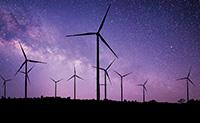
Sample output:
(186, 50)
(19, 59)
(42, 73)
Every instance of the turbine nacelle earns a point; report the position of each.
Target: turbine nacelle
(143, 85)
(187, 78)
(56, 81)
(75, 75)
(122, 76)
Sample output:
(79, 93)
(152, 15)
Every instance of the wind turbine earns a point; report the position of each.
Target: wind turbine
(75, 76)
(25, 64)
(4, 84)
(56, 81)
(188, 79)
(98, 36)
(122, 76)
(144, 89)
(105, 77)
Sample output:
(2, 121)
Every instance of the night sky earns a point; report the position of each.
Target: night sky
(155, 39)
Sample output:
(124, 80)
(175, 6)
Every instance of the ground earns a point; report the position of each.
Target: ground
(104, 108)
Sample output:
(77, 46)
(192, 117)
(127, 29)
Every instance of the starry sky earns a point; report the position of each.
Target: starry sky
(155, 39)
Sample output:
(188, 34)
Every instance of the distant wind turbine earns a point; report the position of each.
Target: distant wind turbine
(105, 77)
(25, 64)
(144, 89)
(4, 84)
(188, 80)
(75, 76)
(56, 81)
(122, 76)
(98, 36)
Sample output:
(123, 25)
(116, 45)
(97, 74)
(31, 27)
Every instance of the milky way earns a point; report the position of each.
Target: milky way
(155, 39)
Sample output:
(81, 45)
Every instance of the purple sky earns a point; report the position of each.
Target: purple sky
(155, 39)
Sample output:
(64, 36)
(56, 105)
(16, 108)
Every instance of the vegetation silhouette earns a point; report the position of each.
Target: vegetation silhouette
(49, 105)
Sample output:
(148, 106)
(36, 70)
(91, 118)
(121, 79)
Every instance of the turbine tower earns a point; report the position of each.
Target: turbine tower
(144, 89)
(98, 37)
(56, 81)
(121, 77)
(4, 85)
(188, 80)
(75, 76)
(25, 64)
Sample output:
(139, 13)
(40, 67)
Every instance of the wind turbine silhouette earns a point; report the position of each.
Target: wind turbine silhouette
(56, 81)
(122, 76)
(105, 77)
(25, 64)
(144, 89)
(75, 76)
(98, 36)
(4, 84)
(188, 79)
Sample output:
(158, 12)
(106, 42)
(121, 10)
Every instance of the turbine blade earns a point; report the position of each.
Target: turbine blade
(30, 69)
(99, 68)
(127, 74)
(74, 70)
(70, 78)
(145, 88)
(34, 61)
(110, 64)
(104, 18)
(181, 78)
(28, 80)
(22, 50)
(82, 34)
(108, 45)
(59, 80)
(191, 81)
(53, 80)
(189, 71)
(145, 82)
(139, 84)
(8, 80)
(79, 77)
(22, 72)
(108, 77)
(2, 77)
(4, 83)
(118, 73)
(20, 67)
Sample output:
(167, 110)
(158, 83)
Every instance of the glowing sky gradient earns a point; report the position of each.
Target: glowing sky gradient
(155, 39)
